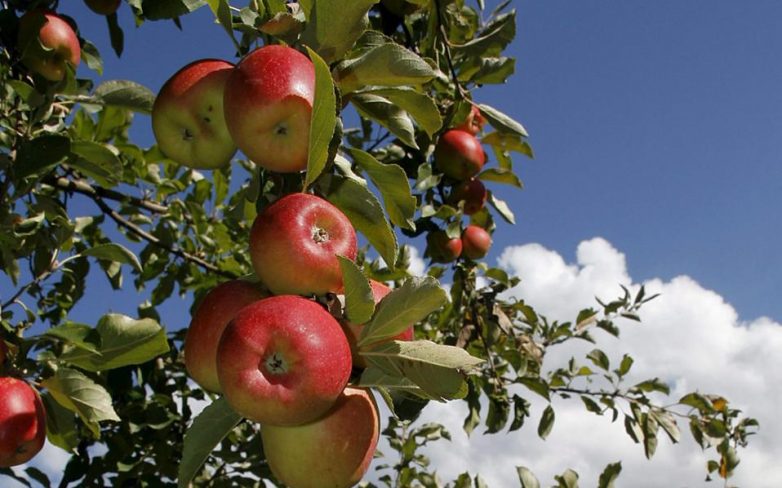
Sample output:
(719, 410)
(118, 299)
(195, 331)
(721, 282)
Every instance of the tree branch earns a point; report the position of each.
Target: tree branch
(81, 186)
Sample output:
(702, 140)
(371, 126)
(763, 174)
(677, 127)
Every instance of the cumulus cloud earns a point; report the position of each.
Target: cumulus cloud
(690, 337)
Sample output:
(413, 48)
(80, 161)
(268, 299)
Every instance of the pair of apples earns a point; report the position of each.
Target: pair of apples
(474, 243)
(283, 360)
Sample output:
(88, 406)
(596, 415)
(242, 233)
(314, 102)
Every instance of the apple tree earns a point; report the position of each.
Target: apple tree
(393, 135)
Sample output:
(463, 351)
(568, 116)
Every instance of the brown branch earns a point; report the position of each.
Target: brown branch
(447, 44)
(81, 186)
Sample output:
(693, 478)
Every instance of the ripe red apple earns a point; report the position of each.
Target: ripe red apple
(294, 243)
(474, 121)
(476, 242)
(22, 422)
(332, 452)
(57, 48)
(459, 154)
(353, 331)
(268, 107)
(211, 317)
(103, 7)
(472, 192)
(187, 117)
(283, 360)
(441, 248)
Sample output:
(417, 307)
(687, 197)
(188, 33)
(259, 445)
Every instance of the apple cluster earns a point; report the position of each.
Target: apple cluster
(22, 418)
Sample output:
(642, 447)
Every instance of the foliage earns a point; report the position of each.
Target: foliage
(78, 197)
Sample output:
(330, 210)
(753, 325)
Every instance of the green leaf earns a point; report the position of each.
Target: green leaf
(568, 479)
(91, 57)
(206, 432)
(60, 425)
(406, 305)
(97, 160)
(39, 154)
(114, 252)
(222, 11)
(388, 64)
(115, 34)
(437, 369)
(599, 359)
(121, 341)
(333, 26)
(527, 479)
(125, 94)
(80, 394)
(387, 114)
(78, 335)
(169, 9)
(394, 186)
(323, 121)
(609, 475)
(502, 208)
(499, 175)
(546, 422)
(377, 378)
(502, 122)
(364, 211)
(418, 105)
(359, 300)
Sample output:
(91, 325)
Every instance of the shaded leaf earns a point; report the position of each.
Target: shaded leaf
(323, 120)
(80, 394)
(387, 64)
(334, 26)
(359, 301)
(125, 94)
(394, 187)
(114, 252)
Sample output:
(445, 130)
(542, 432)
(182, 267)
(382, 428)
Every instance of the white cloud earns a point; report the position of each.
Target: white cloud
(690, 337)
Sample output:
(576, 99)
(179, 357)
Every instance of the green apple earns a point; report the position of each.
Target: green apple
(334, 451)
(22, 422)
(476, 242)
(187, 117)
(283, 360)
(48, 44)
(268, 107)
(459, 154)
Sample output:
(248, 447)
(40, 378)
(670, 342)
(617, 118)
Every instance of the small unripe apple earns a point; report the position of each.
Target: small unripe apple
(472, 192)
(474, 121)
(211, 317)
(476, 242)
(103, 7)
(187, 117)
(294, 243)
(268, 107)
(441, 248)
(60, 44)
(459, 154)
(283, 360)
(334, 451)
(353, 331)
(22, 422)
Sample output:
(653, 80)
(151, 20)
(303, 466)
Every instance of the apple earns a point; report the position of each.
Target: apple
(476, 242)
(58, 46)
(474, 121)
(283, 360)
(211, 317)
(459, 154)
(472, 192)
(187, 117)
(268, 107)
(103, 7)
(332, 452)
(441, 248)
(22, 422)
(294, 243)
(353, 331)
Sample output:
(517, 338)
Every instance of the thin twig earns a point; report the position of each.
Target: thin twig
(81, 186)
(446, 43)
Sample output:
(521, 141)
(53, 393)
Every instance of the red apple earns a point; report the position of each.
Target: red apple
(353, 331)
(22, 422)
(187, 117)
(268, 107)
(441, 248)
(332, 452)
(211, 317)
(472, 192)
(58, 46)
(459, 154)
(476, 242)
(283, 360)
(474, 121)
(103, 7)
(294, 244)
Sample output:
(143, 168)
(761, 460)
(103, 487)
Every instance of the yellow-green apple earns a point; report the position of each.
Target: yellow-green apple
(474, 121)
(294, 243)
(22, 422)
(353, 331)
(283, 360)
(332, 452)
(188, 119)
(48, 44)
(268, 107)
(476, 242)
(211, 317)
(459, 154)
(103, 7)
(472, 192)
(441, 248)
